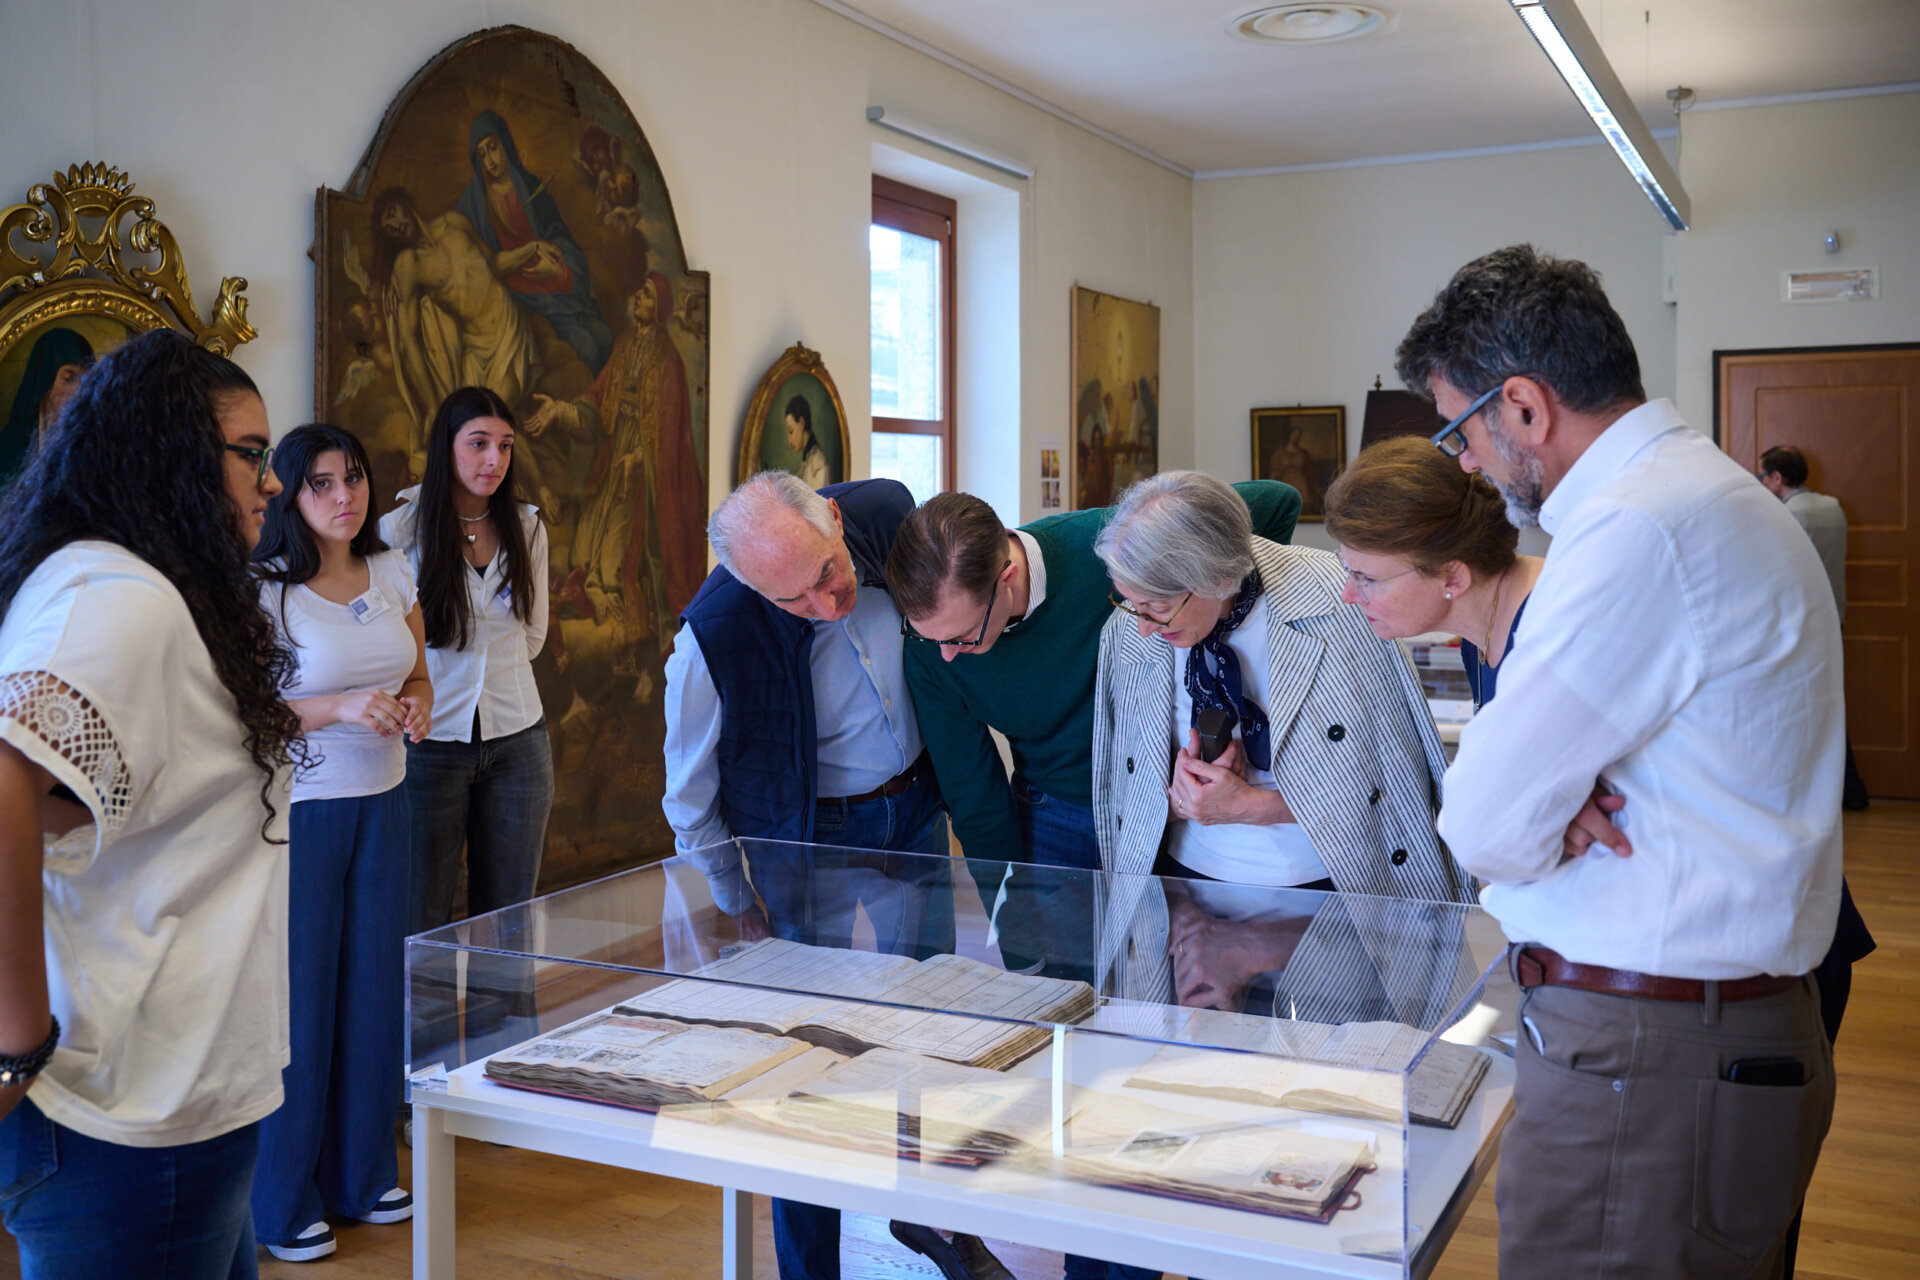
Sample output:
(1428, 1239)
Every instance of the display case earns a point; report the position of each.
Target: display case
(1203, 1078)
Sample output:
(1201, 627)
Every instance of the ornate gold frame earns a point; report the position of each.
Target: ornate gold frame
(89, 272)
(798, 358)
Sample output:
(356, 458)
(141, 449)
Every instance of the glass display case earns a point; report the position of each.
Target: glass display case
(1204, 1078)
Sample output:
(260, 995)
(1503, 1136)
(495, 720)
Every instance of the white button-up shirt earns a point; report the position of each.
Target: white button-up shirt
(1681, 645)
(494, 672)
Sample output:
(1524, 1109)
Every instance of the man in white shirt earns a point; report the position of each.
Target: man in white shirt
(1682, 649)
(1783, 469)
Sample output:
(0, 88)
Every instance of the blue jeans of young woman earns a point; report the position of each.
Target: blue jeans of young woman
(910, 903)
(490, 798)
(329, 1149)
(1050, 918)
(82, 1209)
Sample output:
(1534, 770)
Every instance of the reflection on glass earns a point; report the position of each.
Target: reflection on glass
(906, 324)
(912, 460)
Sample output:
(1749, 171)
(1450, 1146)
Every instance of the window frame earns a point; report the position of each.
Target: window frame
(931, 216)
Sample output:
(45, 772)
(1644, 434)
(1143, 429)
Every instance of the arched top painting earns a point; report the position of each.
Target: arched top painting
(510, 227)
(795, 422)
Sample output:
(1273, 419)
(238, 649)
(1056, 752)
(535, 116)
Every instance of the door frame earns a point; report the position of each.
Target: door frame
(1843, 349)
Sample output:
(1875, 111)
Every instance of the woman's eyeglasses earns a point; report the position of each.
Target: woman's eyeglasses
(1134, 611)
(254, 453)
(1364, 586)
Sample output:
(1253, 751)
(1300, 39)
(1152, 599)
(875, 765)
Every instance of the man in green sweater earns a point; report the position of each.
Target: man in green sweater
(1005, 634)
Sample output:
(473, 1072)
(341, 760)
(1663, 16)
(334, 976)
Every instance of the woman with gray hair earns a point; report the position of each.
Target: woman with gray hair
(1322, 768)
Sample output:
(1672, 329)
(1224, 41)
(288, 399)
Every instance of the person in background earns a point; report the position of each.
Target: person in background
(482, 779)
(347, 608)
(143, 895)
(788, 719)
(1674, 1081)
(1783, 469)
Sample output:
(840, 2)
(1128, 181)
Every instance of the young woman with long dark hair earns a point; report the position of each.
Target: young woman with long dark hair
(348, 608)
(483, 778)
(143, 903)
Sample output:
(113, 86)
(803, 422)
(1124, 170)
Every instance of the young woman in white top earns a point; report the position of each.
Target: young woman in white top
(347, 607)
(483, 778)
(143, 900)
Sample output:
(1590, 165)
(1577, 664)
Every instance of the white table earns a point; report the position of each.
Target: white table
(997, 1200)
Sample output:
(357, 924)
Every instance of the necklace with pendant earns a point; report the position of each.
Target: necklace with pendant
(471, 537)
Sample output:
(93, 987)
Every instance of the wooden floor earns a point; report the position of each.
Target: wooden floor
(531, 1217)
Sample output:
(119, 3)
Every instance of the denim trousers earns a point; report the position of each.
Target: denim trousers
(82, 1209)
(1047, 920)
(910, 904)
(329, 1148)
(490, 798)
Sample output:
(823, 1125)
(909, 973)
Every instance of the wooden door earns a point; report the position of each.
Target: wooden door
(1855, 413)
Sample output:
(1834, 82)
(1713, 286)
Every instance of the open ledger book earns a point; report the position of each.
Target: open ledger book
(1268, 1168)
(1335, 1078)
(1005, 1005)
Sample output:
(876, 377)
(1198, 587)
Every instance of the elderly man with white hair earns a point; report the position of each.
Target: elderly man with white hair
(788, 718)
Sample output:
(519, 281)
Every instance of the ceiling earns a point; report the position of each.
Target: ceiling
(1447, 75)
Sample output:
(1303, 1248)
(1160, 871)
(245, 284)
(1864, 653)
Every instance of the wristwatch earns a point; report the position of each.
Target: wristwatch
(28, 1065)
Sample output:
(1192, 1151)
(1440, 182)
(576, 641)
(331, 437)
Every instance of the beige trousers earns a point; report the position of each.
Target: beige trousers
(1630, 1154)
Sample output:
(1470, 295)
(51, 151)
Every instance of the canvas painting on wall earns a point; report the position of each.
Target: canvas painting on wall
(509, 226)
(1116, 389)
(1303, 447)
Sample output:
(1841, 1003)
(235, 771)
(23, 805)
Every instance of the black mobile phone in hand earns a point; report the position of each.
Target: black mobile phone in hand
(1215, 727)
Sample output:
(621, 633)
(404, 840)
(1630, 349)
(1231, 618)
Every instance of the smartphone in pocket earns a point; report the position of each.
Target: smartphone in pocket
(1775, 1072)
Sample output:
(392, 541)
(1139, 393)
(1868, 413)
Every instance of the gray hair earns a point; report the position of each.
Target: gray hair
(740, 523)
(1176, 532)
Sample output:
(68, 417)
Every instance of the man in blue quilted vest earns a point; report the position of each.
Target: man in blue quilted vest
(788, 718)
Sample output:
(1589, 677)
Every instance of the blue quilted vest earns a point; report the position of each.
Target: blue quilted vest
(760, 658)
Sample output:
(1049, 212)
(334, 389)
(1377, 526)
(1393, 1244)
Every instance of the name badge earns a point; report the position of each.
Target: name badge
(369, 606)
(505, 594)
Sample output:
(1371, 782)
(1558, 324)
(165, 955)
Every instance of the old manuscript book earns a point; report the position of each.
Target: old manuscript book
(987, 1016)
(1335, 1078)
(646, 1062)
(1122, 1142)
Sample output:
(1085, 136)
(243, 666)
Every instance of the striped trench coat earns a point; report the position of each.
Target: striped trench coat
(1355, 751)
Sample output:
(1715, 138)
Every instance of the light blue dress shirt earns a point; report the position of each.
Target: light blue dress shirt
(863, 714)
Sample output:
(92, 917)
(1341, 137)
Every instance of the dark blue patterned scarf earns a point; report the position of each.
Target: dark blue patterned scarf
(1216, 683)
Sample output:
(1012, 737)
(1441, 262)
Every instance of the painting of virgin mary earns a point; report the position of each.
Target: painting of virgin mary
(534, 254)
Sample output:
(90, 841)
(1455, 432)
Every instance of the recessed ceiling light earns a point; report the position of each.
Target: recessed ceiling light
(1309, 23)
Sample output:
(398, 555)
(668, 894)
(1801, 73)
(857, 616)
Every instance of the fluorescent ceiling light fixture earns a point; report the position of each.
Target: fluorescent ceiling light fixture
(1576, 55)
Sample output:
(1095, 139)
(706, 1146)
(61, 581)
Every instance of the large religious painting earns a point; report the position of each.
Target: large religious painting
(509, 227)
(1116, 391)
(84, 265)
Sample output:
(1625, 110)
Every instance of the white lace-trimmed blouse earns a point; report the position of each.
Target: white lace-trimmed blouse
(166, 916)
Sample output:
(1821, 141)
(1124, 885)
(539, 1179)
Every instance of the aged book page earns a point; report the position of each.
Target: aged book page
(642, 1061)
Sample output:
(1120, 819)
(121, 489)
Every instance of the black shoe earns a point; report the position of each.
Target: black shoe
(963, 1257)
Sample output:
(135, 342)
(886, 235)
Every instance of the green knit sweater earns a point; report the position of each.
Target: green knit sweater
(1036, 684)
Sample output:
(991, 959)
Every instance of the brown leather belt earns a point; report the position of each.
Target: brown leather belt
(1540, 967)
(891, 787)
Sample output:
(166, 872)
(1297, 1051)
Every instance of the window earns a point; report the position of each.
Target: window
(910, 252)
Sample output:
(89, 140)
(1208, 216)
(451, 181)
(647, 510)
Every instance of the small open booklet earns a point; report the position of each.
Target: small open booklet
(1358, 1069)
(767, 986)
(646, 1062)
(1268, 1168)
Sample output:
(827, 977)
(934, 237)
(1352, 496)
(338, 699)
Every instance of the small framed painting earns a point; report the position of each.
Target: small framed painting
(1305, 447)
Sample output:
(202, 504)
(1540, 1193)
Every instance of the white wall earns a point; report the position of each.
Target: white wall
(1305, 282)
(229, 113)
(1767, 184)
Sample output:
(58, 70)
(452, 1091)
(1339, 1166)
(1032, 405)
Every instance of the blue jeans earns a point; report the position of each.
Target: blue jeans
(1048, 919)
(329, 1149)
(911, 909)
(490, 798)
(82, 1209)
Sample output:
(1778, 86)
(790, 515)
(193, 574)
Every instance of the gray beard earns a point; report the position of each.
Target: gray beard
(1526, 480)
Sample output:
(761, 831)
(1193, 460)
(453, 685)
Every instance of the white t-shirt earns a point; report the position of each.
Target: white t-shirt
(1280, 855)
(494, 673)
(166, 918)
(347, 648)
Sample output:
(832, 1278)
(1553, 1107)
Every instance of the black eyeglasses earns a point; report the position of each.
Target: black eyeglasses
(1450, 439)
(906, 628)
(254, 453)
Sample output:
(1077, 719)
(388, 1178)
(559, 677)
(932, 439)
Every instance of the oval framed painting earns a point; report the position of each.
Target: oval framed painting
(796, 422)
